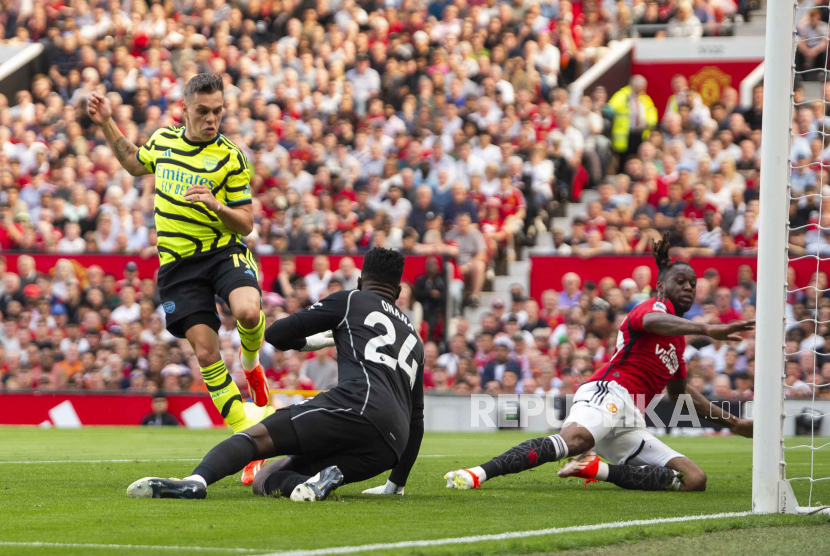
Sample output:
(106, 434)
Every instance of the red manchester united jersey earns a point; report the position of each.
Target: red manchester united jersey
(644, 361)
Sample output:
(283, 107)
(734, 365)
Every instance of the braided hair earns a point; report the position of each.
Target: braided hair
(660, 250)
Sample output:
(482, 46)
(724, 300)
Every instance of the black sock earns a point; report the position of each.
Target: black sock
(530, 453)
(227, 457)
(282, 483)
(644, 477)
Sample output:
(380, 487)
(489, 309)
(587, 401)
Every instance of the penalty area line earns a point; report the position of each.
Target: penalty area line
(127, 547)
(384, 546)
(504, 536)
(39, 462)
(140, 460)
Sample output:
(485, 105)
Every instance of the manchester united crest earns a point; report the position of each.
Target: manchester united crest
(709, 82)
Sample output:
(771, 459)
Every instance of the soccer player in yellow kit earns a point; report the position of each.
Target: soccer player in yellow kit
(202, 210)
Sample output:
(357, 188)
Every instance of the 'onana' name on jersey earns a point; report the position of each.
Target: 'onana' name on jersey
(392, 310)
(176, 180)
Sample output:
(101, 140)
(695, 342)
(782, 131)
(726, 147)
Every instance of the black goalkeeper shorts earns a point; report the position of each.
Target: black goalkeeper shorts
(188, 287)
(317, 437)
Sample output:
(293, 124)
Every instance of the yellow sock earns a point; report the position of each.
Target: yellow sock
(225, 396)
(251, 340)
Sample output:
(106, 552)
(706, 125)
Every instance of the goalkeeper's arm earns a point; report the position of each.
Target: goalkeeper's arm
(707, 410)
(302, 330)
(397, 479)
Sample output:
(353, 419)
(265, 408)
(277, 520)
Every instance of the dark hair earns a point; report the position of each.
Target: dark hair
(660, 250)
(204, 83)
(383, 265)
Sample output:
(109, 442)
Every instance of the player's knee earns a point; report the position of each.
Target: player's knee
(578, 439)
(247, 315)
(206, 353)
(579, 445)
(282, 464)
(258, 486)
(694, 481)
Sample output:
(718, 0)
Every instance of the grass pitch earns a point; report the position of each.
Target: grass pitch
(72, 492)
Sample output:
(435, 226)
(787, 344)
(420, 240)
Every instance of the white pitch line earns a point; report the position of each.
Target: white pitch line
(38, 462)
(387, 546)
(24, 462)
(127, 546)
(502, 536)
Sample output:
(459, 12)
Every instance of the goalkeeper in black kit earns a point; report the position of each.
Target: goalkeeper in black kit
(372, 421)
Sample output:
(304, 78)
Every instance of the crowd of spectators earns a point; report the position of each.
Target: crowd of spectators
(366, 125)
(63, 332)
(438, 128)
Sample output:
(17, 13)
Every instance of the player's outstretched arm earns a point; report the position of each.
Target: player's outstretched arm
(100, 112)
(292, 332)
(705, 409)
(671, 325)
(399, 475)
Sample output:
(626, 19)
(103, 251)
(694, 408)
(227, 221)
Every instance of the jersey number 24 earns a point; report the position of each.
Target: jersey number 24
(372, 346)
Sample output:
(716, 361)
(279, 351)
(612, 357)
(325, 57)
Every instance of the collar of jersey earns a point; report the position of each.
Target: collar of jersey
(199, 143)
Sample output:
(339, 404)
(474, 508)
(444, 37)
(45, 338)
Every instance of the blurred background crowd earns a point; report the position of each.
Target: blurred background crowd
(438, 128)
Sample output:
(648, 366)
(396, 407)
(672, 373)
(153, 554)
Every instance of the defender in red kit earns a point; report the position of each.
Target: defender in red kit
(606, 417)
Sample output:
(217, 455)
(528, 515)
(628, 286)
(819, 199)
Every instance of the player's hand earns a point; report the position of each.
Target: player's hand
(743, 427)
(98, 107)
(731, 332)
(388, 488)
(320, 340)
(202, 194)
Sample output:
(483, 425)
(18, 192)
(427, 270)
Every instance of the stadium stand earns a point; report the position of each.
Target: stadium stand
(442, 129)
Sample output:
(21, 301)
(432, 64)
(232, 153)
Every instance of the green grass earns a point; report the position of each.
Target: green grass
(77, 502)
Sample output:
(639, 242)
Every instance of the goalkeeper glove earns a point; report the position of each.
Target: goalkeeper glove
(320, 340)
(388, 488)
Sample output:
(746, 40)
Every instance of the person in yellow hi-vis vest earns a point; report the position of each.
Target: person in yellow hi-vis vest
(634, 116)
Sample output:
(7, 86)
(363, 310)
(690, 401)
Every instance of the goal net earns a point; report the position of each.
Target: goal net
(791, 448)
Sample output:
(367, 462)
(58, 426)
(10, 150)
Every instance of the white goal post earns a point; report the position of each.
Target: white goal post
(768, 406)
(771, 491)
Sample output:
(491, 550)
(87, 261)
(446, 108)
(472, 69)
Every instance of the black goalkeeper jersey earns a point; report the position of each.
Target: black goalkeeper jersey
(380, 362)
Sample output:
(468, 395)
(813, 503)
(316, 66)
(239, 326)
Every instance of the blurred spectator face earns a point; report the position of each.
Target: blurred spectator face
(697, 382)
(642, 277)
(463, 220)
(485, 342)
(550, 301)
(430, 354)
(502, 354)
(722, 387)
(321, 265)
(509, 381)
(440, 379)
(571, 282)
(347, 266)
(723, 299)
(25, 265)
(424, 196)
(458, 344)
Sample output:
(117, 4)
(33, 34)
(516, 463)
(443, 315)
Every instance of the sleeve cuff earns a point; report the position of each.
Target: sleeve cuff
(239, 203)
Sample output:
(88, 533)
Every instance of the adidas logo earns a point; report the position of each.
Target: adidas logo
(168, 153)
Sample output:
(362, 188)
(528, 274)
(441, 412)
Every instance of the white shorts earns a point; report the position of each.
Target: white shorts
(608, 411)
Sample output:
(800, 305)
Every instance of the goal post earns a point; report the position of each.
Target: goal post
(768, 406)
